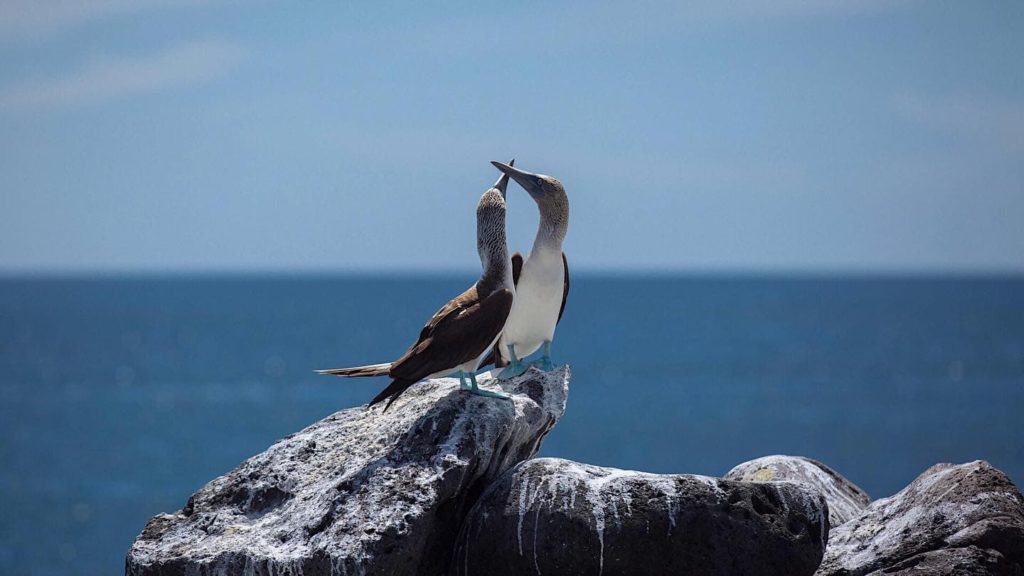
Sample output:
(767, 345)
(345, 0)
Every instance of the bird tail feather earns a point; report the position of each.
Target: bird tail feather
(360, 371)
(392, 392)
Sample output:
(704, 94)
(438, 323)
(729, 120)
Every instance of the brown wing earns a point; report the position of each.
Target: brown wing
(407, 375)
(454, 305)
(458, 336)
(385, 369)
(565, 288)
(517, 267)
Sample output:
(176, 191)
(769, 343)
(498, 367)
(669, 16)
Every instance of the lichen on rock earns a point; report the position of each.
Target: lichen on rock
(845, 499)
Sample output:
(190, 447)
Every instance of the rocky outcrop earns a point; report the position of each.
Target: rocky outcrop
(845, 499)
(966, 519)
(360, 492)
(442, 484)
(552, 516)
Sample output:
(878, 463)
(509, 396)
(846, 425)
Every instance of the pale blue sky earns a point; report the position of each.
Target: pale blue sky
(149, 135)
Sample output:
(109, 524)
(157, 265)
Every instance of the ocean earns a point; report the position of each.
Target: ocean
(121, 397)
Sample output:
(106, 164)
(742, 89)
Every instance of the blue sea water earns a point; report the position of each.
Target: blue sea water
(120, 397)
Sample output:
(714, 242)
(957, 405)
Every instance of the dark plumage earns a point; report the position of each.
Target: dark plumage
(458, 333)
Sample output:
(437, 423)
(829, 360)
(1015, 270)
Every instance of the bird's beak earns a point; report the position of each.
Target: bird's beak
(502, 182)
(530, 182)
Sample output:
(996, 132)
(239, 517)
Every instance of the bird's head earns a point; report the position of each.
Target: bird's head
(540, 187)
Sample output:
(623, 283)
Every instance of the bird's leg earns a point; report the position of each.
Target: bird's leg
(545, 360)
(476, 389)
(463, 384)
(515, 367)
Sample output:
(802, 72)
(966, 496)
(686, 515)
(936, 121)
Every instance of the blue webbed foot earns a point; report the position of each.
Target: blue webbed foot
(515, 366)
(463, 382)
(476, 389)
(514, 369)
(544, 363)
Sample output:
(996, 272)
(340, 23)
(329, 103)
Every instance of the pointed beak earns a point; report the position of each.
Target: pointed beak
(502, 182)
(530, 182)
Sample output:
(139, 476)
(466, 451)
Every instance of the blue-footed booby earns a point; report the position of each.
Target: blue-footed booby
(463, 332)
(541, 280)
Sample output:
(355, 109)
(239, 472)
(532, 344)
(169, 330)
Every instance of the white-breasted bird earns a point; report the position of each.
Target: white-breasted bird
(541, 279)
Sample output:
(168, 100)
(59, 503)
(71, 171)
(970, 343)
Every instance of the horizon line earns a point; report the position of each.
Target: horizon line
(695, 272)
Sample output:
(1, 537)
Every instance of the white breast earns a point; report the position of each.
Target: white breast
(538, 300)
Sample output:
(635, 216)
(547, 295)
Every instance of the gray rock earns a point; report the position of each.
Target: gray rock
(965, 519)
(552, 516)
(360, 492)
(971, 561)
(845, 499)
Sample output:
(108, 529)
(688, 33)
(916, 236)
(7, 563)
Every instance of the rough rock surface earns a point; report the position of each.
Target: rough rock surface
(845, 499)
(965, 519)
(360, 492)
(552, 516)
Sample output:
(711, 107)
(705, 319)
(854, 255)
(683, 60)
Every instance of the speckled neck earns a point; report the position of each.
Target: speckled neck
(554, 223)
(491, 243)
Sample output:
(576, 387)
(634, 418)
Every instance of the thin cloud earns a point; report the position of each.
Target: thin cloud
(976, 115)
(114, 78)
(35, 18)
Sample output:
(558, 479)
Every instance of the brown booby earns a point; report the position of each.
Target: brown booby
(541, 280)
(464, 331)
